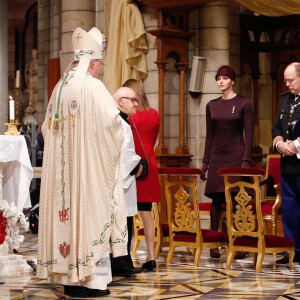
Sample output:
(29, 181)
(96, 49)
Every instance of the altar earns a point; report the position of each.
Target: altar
(15, 171)
(16, 174)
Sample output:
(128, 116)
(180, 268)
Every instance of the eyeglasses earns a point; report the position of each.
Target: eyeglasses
(290, 81)
(100, 62)
(133, 99)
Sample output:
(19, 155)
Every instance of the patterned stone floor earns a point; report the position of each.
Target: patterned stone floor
(180, 280)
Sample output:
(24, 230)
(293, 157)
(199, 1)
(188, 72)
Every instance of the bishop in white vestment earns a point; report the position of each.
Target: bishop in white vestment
(82, 200)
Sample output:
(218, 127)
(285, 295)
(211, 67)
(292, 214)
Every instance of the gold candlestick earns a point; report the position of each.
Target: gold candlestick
(12, 128)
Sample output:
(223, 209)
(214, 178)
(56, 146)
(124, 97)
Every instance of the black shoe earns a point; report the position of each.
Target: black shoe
(285, 260)
(241, 255)
(149, 265)
(83, 292)
(214, 253)
(126, 272)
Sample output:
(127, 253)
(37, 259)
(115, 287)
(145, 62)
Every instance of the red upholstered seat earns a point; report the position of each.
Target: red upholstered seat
(241, 171)
(179, 170)
(203, 206)
(209, 236)
(266, 208)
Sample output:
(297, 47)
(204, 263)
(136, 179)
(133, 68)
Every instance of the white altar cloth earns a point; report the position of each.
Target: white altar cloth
(17, 170)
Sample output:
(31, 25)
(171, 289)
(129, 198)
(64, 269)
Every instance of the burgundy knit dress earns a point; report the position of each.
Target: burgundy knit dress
(229, 138)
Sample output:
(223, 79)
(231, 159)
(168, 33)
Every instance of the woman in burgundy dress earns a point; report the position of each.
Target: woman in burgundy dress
(145, 128)
(229, 140)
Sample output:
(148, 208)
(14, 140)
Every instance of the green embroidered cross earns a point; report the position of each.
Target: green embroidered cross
(56, 115)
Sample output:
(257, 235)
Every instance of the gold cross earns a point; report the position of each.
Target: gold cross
(78, 37)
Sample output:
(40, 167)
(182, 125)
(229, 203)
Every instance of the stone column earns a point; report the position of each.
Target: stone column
(234, 40)
(3, 65)
(210, 23)
(213, 44)
(74, 14)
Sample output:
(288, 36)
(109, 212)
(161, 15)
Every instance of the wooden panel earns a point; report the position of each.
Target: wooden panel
(53, 74)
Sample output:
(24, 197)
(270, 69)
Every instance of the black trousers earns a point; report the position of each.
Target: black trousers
(124, 261)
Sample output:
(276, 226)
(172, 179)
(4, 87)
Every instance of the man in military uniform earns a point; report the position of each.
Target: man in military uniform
(289, 146)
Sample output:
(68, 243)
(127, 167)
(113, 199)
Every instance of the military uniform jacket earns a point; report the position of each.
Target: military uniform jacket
(285, 116)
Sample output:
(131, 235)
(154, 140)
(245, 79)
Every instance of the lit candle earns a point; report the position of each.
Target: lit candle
(17, 79)
(11, 109)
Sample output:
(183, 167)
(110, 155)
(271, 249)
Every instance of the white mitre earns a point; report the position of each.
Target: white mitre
(87, 46)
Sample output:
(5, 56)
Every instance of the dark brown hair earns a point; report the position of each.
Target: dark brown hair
(138, 87)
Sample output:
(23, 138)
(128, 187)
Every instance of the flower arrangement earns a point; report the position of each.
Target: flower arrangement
(13, 220)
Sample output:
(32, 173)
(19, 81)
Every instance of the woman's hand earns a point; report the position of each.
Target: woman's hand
(203, 171)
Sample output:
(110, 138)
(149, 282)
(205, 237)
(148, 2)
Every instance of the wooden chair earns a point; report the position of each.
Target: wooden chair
(271, 201)
(244, 217)
(185, 172)
(184, 222)
(161, 232)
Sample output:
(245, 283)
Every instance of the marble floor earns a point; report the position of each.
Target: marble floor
(180, 280)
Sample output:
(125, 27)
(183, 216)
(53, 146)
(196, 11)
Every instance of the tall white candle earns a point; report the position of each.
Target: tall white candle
(11, 109)
(17, 78)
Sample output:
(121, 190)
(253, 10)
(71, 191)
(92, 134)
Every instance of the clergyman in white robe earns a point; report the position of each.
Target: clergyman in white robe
(131, 168)
(82, 199)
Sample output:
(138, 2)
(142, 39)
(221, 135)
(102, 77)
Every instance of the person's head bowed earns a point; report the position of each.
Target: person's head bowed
(292, 77)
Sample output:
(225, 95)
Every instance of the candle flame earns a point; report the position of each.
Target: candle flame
(10, 97)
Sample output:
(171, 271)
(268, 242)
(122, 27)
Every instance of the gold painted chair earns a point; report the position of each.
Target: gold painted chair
(244, 217)
(161, 232)
(271, 201)
(183, 220)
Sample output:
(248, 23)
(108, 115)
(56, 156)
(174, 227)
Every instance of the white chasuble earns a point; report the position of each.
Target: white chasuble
(82, 200)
